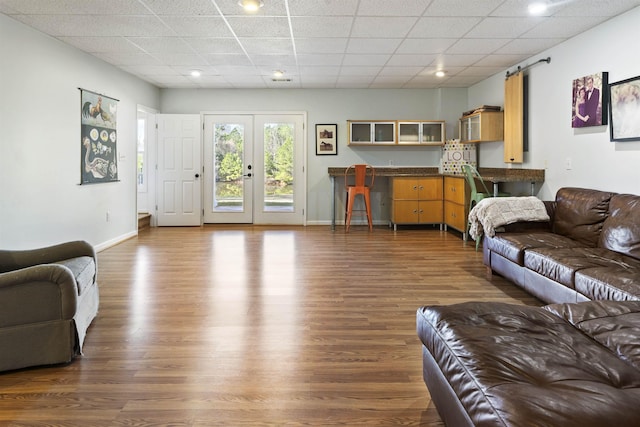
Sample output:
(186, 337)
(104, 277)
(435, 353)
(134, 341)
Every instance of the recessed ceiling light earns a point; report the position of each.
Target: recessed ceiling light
(251, 5)
(440, 73)
(538, 8)
(196, 73)
(278, 73)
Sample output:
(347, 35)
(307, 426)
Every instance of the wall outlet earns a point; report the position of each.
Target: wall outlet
(568, 164)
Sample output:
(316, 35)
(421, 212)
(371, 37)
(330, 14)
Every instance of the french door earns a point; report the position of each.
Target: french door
(254, 169)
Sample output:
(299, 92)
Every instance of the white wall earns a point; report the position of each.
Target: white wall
(596, 161)
(337, 106)
(41, 202)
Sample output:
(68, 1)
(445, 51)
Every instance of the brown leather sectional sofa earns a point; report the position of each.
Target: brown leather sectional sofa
(575, 362)
(590, 249)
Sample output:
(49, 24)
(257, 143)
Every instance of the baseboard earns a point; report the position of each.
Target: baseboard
(109, 243)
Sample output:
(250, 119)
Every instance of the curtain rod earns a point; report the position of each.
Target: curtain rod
(547, 60)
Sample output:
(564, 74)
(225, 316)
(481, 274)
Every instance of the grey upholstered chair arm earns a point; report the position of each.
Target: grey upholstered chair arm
(19, 289)
(14, 260)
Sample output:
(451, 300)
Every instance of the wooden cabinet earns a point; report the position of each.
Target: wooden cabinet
(371, 132)
(421, 132)
(416, 200)
(456, 203)
(514, 131)
(482, 127)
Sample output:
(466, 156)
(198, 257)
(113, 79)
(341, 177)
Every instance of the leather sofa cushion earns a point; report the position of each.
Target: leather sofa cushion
(619, 283)
(513, 245)
(561, 264)
(580, 214)
(516, 365)
(612, 324)
(621, 230)
(83, 269)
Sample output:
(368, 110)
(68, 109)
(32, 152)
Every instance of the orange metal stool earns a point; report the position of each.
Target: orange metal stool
(362, 172)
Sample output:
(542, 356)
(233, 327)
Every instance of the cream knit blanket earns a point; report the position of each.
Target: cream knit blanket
(495, 212)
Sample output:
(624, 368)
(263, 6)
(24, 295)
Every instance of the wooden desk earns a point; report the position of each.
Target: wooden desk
(493, 175)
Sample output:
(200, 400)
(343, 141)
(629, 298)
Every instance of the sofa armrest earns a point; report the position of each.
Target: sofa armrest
(16, 259)
(37, 294)
(527, 226)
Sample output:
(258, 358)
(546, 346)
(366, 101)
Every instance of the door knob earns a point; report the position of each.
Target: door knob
(197, 175)
(248, 175)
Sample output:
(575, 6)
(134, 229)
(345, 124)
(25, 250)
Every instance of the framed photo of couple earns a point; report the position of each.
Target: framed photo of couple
(590, 100)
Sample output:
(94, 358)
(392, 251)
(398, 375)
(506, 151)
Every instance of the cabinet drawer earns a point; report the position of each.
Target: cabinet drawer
(455, 215)
(454, 190)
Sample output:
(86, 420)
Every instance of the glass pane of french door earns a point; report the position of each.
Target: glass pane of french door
(228, 147)
(278, 167)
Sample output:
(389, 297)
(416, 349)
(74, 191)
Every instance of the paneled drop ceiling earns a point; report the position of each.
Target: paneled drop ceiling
(315, 43)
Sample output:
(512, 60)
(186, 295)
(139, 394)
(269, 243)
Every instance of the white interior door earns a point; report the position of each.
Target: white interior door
(179, 170)
(228, 167)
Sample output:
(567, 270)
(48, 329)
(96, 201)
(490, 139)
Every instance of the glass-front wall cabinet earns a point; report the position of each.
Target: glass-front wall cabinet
(421, 133)
(409, 132)
(372, 132)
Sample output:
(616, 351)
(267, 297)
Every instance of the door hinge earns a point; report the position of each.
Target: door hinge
(156, 208)
(156, 126)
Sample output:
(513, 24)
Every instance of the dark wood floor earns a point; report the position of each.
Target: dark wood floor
(257, 326)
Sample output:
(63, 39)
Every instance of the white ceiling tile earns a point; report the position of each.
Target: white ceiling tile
(359, 71)
(267, 26)
(227, 59)
(400, 71)
(395, 27)
(353, 82)
(422, 46)
(476, 46)
(503, 61)
(174, 58)
(462, 7)
(443, 27)
(502, 27)
(198, 26)
(410, 60)
(400, 7)
(274, 60)
(321, 45)
(232, 8)
(323, 8)
(449, 60)
(181, 7)
(77, 7)
(350, 60)
(373, 45)
(236, 70)
(528, 46)
(480, 71)
(270, 46)
(127, 58)
(160, 44)
(321, 59)
(320, 70)
(307, 26)
(95, 25)
(214, 45)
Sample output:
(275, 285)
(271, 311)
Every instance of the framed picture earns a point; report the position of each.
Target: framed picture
(327, 139)
(589, 106)
(625, 110)
(99, 138)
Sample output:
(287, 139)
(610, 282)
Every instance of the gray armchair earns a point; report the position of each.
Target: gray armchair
(48, 298)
